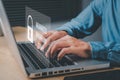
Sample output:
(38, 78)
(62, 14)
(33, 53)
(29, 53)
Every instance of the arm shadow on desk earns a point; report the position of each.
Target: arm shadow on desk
(109, 75)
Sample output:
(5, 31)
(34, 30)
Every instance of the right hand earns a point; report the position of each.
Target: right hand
(50, 37)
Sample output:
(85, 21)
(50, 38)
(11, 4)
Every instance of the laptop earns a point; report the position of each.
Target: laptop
(1, 33)
(33, 62)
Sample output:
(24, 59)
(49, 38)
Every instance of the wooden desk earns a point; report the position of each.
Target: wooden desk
(9, 69)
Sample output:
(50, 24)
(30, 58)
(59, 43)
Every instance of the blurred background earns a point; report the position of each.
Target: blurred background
(60, 12)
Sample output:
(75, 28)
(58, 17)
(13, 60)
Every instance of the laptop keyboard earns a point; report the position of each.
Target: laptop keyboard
(37, 59)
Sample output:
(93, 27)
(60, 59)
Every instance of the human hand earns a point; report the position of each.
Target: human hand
(69, 45)
(48, 38)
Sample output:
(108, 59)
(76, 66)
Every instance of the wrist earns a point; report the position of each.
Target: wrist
(88, 50)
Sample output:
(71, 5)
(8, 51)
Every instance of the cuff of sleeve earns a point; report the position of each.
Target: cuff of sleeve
(98, 50)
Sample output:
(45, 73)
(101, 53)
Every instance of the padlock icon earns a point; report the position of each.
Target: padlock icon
(30, 28)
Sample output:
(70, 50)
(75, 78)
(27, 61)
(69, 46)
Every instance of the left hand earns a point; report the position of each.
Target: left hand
(69, 45)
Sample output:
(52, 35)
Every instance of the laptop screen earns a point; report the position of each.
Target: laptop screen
(8, 34)
(1, 33)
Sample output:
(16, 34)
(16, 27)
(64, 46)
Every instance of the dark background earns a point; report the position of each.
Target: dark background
(58, 10)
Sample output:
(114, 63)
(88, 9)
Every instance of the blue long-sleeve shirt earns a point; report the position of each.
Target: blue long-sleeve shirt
(99, 12)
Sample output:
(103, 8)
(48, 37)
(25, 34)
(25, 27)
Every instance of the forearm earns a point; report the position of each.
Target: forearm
(108, 51)
(84, 24)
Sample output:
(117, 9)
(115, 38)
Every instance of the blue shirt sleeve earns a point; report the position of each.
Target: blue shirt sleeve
(86, 22)
(108, 51)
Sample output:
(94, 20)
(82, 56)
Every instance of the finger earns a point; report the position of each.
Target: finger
(51, 38)
(47, 54)
(63, 52)
(47, 34)
(49, 50)
(39, 40)
(38, 43)
(58, 45)
(46, 43)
